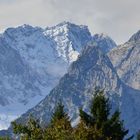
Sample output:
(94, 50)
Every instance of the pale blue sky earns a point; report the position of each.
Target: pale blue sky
(117, 18)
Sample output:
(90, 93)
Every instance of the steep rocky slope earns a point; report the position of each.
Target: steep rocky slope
(126, 60)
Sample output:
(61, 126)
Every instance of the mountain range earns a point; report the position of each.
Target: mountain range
(32, 60)
(93, 69)
(39, 67)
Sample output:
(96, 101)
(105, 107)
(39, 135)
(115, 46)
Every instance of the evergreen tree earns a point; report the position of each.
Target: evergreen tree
(103, 125)
(98, 125)
(31, 131)
(59, 113)
(82, 132)
(138, 135)
(60, 127)
(4, 138)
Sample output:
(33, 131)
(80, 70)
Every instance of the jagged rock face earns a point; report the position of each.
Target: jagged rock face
(104, 42)
(70, 39)
(32, 62)
(126, 60)
(92, 69)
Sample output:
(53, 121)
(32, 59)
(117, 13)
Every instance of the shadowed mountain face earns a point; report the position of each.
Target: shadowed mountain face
(126, 60)
(75, 89)
(104, 42)
(15, 73)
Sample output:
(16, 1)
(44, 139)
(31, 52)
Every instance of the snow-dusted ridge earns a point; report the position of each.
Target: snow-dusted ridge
(65, 36)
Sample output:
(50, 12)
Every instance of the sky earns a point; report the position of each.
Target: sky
(117, 18)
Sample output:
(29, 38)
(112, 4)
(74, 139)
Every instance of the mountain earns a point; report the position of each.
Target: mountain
(69, 38)
(92, 69)
(32, 60)
(104, 42)
(126, 60)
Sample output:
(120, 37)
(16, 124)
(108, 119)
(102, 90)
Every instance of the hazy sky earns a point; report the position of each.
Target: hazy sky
(117, 18)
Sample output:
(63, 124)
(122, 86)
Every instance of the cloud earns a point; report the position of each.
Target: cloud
(118, 18)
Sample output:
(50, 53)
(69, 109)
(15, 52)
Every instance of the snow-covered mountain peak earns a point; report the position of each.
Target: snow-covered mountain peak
(104, 42)
(23, 29)
(135, 37)
(69, 25)
(70, 39)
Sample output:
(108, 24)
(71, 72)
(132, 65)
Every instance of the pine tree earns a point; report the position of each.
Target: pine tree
(82, 132)
(4, 138)
(98, 125)
(31, 131)
(138, 135)
(103, 125)
(60, 126)
(59, 113)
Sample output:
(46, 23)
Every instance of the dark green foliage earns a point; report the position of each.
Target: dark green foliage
(100, 108)
(138, 135)
(98, 125)
(104, 126)
(59, 113)
(89, 120)
(60, 127)
(114, 127)
(82, 132)
(31, 131)
(4, 138)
